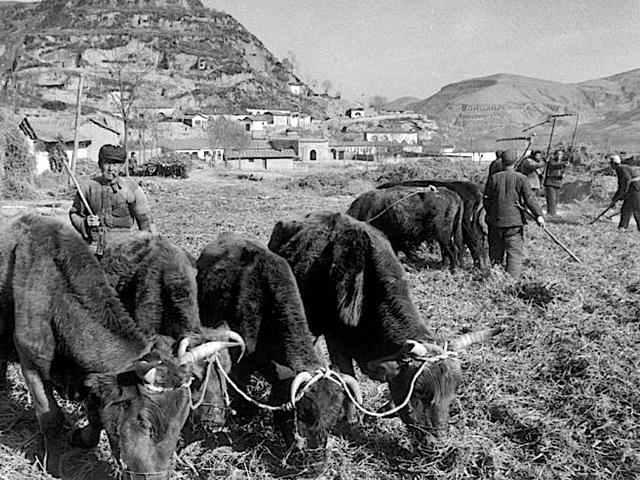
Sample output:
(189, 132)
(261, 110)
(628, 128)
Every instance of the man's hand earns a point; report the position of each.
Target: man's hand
(92, 221)
(540, 221)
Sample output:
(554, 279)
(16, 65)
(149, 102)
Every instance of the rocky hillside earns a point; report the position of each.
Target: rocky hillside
(480, 110)
(179, 50)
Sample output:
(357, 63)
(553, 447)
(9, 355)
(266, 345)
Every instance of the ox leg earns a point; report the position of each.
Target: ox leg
(89, 435)
(449, 251)
(3, 374)
(342, 359)
(48, 414)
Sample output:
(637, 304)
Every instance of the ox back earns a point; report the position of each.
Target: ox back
(409, 216)
(254, 291)
(474, 231)
(70, 331)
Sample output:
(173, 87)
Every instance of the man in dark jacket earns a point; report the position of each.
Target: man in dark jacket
(628, 190)
(531, 167)
(116, 203)
(504, 196)
(496, 165)
(553, 181)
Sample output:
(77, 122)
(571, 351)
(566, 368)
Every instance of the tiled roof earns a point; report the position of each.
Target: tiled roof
(51, 129)
(194, 143)
(261, 153)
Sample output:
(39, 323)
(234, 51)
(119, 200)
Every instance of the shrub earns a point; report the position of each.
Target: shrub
(17, 164)
(174, 165)
(430, 168)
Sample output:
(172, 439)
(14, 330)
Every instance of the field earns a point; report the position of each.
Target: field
(555, 396)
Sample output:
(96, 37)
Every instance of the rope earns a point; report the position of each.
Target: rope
(391, 206)
(205, 386)
(335, 377)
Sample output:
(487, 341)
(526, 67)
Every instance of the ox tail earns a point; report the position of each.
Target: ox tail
(457, 233)
(468, 339)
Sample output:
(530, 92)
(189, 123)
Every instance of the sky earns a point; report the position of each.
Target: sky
(413, 48)
(398, 48)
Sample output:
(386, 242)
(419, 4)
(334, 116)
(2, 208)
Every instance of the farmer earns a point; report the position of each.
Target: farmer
(504, 196)
(496, 165)
(553, 181)
(628, 190)
(531, 167)
(115, 201)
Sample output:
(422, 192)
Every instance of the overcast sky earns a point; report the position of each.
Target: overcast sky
(415, 47)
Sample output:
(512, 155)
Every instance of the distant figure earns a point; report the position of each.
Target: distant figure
(628, 191)
(553, 181)
(504, 196)
(531, 167)
(496, 165)
(133, 163)
(116, 202)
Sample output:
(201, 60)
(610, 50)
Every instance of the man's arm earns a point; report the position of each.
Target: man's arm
(140, 209)
(529, 200)
(78, 214)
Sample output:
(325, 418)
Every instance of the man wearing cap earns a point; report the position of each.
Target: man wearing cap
(628, 190)
(116, 202)
(553, 181)
(504, 196)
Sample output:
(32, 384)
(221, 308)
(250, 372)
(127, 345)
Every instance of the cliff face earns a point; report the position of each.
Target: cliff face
(184, 52)
(487, 108)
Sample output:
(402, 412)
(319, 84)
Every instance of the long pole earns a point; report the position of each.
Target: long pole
(75, 182)
(551, 235)
(546, 164)
(573, 137)
(74, 156)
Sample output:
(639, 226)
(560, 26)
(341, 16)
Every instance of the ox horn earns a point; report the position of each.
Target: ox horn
(463, 341)
(203, 351)
(239, 342)
(182, 347)
(354, 387)
(150, 376)
(423, 349)
(299, 380)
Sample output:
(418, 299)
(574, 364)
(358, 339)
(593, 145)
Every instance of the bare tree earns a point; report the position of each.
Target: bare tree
(377, 102)
(326, 86)
(130, 79)
(223, 133)
(290, 62)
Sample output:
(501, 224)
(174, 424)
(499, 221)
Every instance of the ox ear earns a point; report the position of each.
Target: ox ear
(347, 273)
(383, 371)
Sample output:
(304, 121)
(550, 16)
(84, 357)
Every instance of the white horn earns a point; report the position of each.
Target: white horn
(462, 342)
(203, 351)
(298, 381)
(423, 349)
(182, 347)
(237, 338)
(354, 387)
(150, 377)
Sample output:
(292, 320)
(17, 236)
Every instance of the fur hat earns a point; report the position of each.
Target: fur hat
(499, 153)
(508, 157)
(111, 154)
(615, 158)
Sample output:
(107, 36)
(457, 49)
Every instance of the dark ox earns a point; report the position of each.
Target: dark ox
(65, 324)
(356, 294)
(474, 229)
(409, 216)
(254, 291)
(156, 282)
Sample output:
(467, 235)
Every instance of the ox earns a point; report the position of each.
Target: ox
(409, 216)
(65, 324)
(254, 290)
(156, 282)
(474, 229)
(356, 294)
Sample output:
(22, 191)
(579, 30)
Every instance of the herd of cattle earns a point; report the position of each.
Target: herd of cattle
(149, 334)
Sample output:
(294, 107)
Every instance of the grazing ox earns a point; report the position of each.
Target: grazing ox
(474, 229)
(409, 216)
(356, 294)
(156, 282)
(254, 290)
(65, 324)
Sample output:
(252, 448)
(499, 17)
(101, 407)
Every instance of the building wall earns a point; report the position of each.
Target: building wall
(262, 164)
(411, 138)
(99, 137)
(321, 148)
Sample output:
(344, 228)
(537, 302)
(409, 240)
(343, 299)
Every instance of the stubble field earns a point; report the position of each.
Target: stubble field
(555, 396)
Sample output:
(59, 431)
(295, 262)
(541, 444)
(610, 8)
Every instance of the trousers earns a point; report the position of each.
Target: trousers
(507, 242)
(630, 206)
(551, 194)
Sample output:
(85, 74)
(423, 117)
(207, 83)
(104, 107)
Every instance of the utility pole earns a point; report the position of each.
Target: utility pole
(74, 157)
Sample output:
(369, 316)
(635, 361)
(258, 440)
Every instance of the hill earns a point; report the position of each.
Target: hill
(482, 109)
(183, 52)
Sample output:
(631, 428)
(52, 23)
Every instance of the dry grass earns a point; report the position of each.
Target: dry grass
(556, 396)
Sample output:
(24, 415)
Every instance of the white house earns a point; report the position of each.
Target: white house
(195, 120)
(296, 88)
(355, 112)
(397, 136)
(195, 146)
(261, 159)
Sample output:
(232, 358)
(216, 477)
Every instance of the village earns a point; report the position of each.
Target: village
(262, 138)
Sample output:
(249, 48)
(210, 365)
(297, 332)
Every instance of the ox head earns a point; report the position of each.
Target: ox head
(319, 402)
(144, 408)
(426, 375)
(209, 386)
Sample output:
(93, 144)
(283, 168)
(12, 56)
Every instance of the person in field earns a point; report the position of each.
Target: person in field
(553, 181)
(116, 203)
(506, 195)
(531, 167)
(628, 191)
